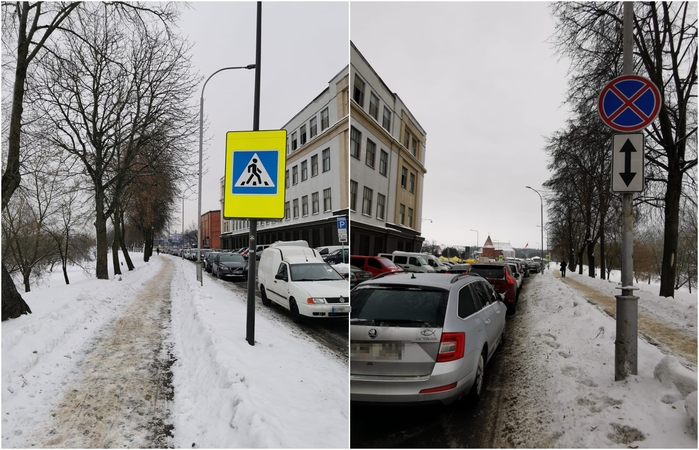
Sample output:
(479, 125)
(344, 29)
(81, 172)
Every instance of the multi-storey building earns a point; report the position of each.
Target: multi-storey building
(387, 166)
(317, 175)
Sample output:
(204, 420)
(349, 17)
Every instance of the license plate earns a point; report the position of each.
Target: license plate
(340, 309)
(377, 351)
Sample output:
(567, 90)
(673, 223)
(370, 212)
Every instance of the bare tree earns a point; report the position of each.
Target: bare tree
(665, 50)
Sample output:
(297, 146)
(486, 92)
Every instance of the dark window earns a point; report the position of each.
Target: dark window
(294, 143)
(314, 165)
(326, 160)
(315, 202)
(286, 179)
(324, 119)
(383, 163)
(295, 175)
(386, 119)
(296, 208)
(327, 200)
(304, 171)
(358, 92)
(467, 306)
(370, 153)
(353, 195)
(403, 177)
(380, 204)
(304, 205)
(374, 106)
(355, 143)
(314, 127)
(366, 203)
(411, 184)
(409, 307)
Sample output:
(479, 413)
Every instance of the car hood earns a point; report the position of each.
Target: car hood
(329, 288)
(233, 264)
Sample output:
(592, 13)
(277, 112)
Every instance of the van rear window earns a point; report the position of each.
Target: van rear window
(399, 306)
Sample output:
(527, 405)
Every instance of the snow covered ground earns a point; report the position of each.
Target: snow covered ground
(285, 391)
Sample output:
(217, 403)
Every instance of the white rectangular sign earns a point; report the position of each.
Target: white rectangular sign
(628, 163)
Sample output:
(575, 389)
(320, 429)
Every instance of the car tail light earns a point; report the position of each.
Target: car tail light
(451, 347)
(438, 389)
(509, 279)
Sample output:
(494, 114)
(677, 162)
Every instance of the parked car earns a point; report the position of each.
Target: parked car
(436, 263)
(519, 279)
(229, 265)
(296, 277)
(499, 275)
(209, 260)
(340, 255)
(409, 261)
(374, 264)
(358, 275)
(326, 250)
(422, 338)
(459, 268)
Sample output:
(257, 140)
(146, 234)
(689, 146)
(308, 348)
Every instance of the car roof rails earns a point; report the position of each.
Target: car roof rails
(381, 275)
(461, 275)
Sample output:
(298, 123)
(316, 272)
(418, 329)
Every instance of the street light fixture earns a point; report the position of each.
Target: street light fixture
(201, 147)
(542, 221)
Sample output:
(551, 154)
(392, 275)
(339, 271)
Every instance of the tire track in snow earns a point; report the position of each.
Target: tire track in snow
(121, 396)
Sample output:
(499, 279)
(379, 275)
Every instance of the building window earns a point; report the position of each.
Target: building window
(327, 200)
(411, 184)
(414, 147)
(403, 177)
(313, 126)
(314, 165)
(304, 171)
(316, 205)
(380, 205)
(410, 217)
(295, 175)
(294, 143)
(358, 92)
(386, 119)
(374, 106)
(326, 160)
(401, 214)
(304, 205)
(366, 203)
(355, 143)
(296, 208)
(383, 163)
(324, 119)
(287, 210)
(370, 153)
(286, 179)
(303, 134)
(406, 139)
(353, 195)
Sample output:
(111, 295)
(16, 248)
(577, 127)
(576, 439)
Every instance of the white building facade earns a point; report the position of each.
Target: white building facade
(387, 166)
(316, 175)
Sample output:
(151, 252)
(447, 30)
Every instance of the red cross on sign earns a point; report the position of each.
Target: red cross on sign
(629, 103)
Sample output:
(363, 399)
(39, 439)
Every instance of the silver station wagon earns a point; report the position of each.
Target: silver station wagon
(421, 337)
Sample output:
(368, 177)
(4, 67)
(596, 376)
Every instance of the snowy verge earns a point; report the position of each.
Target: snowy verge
(285, 391)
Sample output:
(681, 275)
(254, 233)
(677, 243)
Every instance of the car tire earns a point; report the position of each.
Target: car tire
(263, 295)
(511, 310)
(476, 392)
(294, 310)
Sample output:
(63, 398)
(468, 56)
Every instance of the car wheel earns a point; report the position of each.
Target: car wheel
(511, 309)
(294, 310)
(476, 392)
(263, 294)
(502, 337)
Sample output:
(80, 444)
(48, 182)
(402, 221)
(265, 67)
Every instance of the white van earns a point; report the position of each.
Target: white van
(296, 277)
(435, 263)
(409, 261)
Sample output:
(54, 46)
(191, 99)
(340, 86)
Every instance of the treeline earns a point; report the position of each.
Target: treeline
(101, 134)
(584, 215)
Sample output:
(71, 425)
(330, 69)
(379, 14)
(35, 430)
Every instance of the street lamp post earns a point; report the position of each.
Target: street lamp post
(478, 241)
(201, 147)
(542, 222)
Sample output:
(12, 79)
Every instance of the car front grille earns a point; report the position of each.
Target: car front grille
(337, 299)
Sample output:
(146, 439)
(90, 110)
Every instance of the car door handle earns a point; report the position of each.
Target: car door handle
(487, 321)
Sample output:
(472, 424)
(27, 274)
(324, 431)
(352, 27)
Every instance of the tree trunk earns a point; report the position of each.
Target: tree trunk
(591, 259)
(602, 259)
(148, 247)
(101, 269)
(672, 224)
(25, 278)
(581, 252)
(65, 272)
(115, 243)
(13, 305)
(122, 241)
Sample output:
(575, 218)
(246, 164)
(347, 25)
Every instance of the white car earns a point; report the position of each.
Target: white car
(297, 278)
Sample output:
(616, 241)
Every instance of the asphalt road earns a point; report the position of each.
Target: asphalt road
(459, 425)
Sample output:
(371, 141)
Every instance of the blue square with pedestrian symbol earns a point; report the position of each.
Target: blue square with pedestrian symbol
(255, 172)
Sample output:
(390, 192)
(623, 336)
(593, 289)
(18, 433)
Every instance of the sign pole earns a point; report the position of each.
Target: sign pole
(252, 243)
(626, 344)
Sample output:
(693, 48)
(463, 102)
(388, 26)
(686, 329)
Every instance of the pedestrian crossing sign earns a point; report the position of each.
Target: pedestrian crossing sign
(254, 177)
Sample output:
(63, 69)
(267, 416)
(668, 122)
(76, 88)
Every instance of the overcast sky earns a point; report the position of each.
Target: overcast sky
(484, 82)
(304, 45)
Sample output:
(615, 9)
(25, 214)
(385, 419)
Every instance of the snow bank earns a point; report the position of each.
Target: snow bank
(670, 372)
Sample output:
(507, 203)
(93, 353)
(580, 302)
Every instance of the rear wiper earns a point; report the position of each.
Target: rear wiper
(424, 323)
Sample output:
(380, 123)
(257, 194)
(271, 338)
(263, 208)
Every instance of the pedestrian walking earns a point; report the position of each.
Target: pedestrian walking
(158, 250)
(563, 269)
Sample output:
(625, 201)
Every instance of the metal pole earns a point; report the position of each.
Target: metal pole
(626, 344)
(201, 150)
(252, 263)
(182, 236)
(477, 241)
(542, 225)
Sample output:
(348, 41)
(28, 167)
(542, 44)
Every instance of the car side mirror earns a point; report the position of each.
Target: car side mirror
(280, 277)
(347, 276)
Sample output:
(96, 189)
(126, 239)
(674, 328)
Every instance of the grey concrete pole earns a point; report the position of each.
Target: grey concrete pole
(626, 344)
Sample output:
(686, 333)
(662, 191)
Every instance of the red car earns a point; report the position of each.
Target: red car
(374, 264)
(502, 279)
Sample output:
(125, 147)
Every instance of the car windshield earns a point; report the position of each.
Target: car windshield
(232, 257)
(314, 272)
(421, 260)
(410, 306)
(387, 262)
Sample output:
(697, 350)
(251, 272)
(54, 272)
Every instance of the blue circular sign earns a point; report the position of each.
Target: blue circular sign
(629, 103)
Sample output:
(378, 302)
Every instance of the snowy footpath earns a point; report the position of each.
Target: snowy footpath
(153, 359)
(561, 391)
